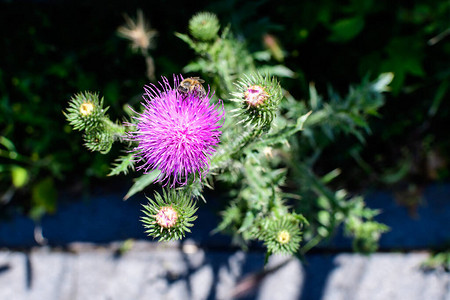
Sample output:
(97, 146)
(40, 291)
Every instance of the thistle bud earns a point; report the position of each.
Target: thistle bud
(274, 47)
(259, 98)
(204, 26)
(282, 235)
(168, 217)
(85, 111)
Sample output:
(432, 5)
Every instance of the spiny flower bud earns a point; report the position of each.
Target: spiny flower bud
(282, 235)
(98, 140)
(85, 111)
(204, 26)
(168, 217)
(259, 97)
(274, 47)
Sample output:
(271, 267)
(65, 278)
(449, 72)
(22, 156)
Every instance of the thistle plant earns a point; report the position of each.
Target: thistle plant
(246, 132)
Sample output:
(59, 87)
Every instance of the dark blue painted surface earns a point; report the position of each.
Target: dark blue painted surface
(17, 232)
(106, 217)
(100, 219)
(427, 227)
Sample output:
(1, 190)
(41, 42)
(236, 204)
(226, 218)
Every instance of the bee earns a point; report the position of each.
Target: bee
(192, 85)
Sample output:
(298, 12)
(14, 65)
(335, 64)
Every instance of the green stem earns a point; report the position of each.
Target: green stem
(239, 147)
(15, 156)
(311, 244)
(117, 130)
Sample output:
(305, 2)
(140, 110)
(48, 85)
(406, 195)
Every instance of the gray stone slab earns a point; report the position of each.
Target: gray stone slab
(385, 276)
(175, 271)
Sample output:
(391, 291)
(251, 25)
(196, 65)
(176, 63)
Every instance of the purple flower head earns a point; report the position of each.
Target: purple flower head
(176, 133)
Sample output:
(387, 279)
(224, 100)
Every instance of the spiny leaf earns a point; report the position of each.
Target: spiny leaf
(141, 183)
(122, 165)
(282, 135)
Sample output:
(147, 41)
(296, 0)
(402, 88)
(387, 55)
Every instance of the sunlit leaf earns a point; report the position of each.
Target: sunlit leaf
(19, 176)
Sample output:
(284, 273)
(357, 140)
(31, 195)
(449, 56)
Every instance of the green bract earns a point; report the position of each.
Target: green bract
(100, 141)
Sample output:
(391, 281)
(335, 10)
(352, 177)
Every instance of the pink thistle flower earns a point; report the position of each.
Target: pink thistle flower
(176, 133)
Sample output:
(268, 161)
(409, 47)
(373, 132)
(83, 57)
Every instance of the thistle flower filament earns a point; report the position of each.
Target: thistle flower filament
(255, 95)
(283, 237)
(166, 217)
(86, 108)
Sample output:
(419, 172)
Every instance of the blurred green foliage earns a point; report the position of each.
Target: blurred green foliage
(438, 261)
(337, 42)
(46, 56)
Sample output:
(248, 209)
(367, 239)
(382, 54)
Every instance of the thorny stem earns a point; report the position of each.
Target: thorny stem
(117, 129)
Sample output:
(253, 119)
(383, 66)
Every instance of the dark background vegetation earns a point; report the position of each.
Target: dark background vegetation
(50, 50)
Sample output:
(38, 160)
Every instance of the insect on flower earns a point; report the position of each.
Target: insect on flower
(192, 85)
